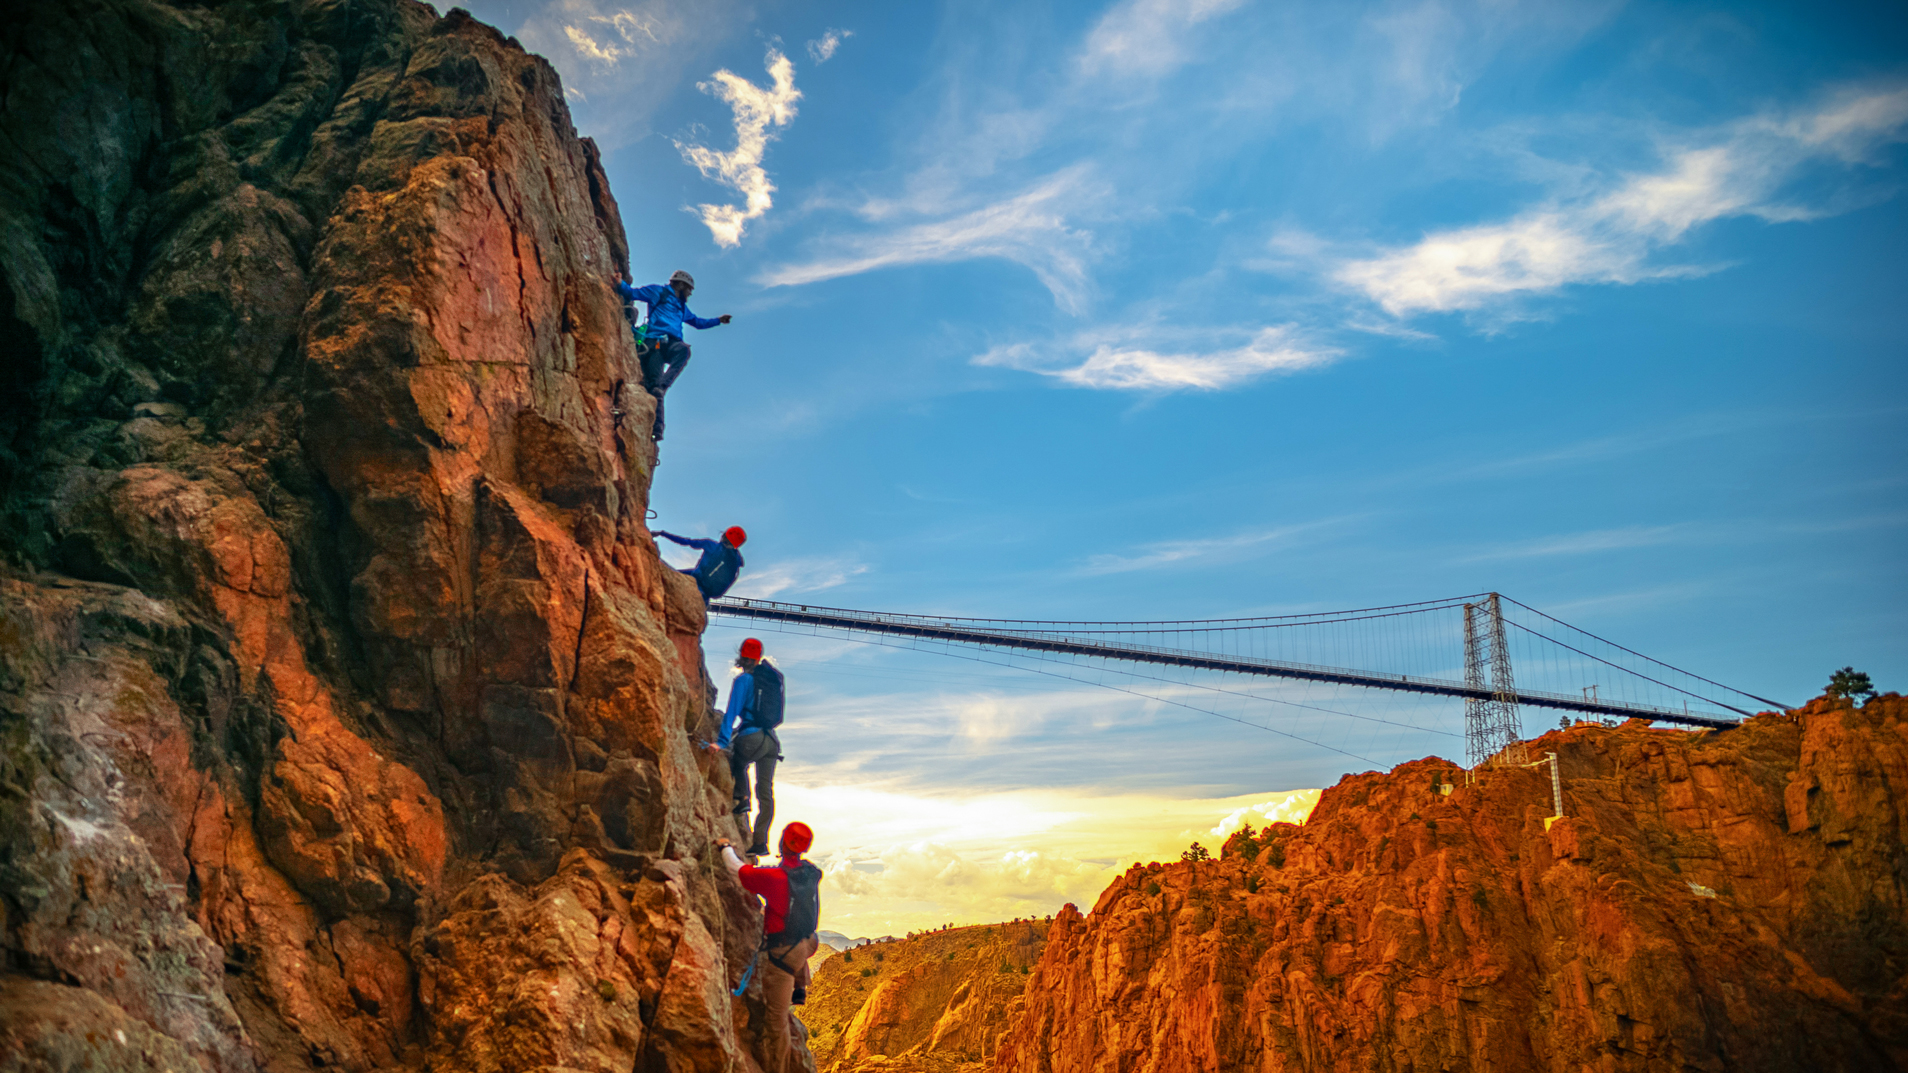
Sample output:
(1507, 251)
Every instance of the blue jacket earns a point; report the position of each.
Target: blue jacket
(667, 313)
(741, 706)
(710, 573)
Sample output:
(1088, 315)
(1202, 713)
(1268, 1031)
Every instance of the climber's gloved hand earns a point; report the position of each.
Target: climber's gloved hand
(725, 318)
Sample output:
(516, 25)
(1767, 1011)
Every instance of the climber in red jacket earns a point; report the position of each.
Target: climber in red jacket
(791, 911)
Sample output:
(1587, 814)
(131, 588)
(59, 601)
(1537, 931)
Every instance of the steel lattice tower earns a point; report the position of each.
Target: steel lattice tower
(1493, 731)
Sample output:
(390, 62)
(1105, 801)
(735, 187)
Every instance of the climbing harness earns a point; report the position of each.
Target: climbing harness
(749, 973)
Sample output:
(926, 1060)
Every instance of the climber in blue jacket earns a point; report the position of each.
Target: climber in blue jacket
(663, 353)
(756, 698)
(720, 564)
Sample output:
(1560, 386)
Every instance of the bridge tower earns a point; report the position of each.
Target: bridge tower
(1493, 730)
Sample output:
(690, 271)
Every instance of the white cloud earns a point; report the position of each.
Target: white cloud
(620, 61)
(1423, 75)
(1291, 807)
(1146, 36)
(898, 862)
(589, 48)
(1276, 349)
(756, 109)
(616, 37)
(966, 721)
(1609, 236)
(1029, 228)
(795, 576)
(1633, 536)
(1650, 536)
(1167, 553)
(822, 49)
(1637, 441)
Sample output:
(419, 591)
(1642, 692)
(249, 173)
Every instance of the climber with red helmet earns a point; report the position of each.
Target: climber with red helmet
(720, 564)
(662, 351)
(791, 913)
(748, 733)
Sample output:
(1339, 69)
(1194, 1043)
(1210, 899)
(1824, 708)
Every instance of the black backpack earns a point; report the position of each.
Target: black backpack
(804, 906)
(767, 713)
(722, 574)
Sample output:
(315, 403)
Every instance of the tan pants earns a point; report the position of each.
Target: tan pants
(778, 989)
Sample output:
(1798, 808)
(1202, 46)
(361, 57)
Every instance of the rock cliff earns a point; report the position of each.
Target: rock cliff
(1726, 901)
(346, 707)
(937, 1002)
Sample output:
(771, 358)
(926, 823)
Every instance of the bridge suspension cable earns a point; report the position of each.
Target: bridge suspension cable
(1461, 648)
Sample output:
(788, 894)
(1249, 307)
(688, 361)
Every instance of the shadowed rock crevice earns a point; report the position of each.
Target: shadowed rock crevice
(344, 700)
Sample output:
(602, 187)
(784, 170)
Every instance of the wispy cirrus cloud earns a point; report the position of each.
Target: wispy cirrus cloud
(957, 205)
(792, 577)
(1173, 552)
(1146, 37)
(822, 49)
(1645, 440)
(1029, 228)
(1120, 366)
(608, 40)
(756, 109)
(1593, 541)
(1746, 530)
(620, 59)
(1610, 235)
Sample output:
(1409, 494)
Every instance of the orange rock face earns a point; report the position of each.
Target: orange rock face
(1720, 901)
(937, 1002)
(346, 707)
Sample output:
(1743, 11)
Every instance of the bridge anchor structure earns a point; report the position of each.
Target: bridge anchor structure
(1453, 650)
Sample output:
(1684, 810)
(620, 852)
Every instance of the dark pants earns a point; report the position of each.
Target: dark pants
(663, 360)
(759, 749)
(691, 571)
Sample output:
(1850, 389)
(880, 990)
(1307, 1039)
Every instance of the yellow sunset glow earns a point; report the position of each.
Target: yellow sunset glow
(900, 862)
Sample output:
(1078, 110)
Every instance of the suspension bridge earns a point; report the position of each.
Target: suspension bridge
(1495, 655)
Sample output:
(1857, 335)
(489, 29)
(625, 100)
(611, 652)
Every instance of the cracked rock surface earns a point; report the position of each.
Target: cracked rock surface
(347, 711)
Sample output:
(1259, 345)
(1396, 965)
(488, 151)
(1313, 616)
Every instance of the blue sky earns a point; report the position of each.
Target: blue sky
(1203, 309)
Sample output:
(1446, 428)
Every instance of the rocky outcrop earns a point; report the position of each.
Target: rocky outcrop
(346, 707)
(936, 1002)
(1718, 901)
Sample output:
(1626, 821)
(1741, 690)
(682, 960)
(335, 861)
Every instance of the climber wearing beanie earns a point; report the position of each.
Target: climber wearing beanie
(663, 353)
(748, 732)
(791, 911)
(720, 564)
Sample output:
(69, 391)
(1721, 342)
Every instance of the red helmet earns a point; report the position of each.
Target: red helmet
(797, 837)
(751, 649)
(734, 535)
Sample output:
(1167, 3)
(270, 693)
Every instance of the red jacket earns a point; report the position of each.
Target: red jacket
(771, 882)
